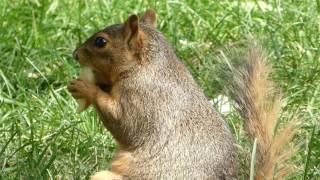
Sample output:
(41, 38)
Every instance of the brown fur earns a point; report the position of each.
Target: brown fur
(260, 105)
(160, 117)
(163, 122)
(121, 162)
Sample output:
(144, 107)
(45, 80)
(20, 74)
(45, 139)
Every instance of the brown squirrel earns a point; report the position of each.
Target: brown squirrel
(162, 121)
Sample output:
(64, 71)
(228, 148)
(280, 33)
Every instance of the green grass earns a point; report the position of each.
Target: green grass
(43, 138)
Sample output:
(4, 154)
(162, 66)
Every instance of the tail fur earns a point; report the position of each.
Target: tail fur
(259, 103)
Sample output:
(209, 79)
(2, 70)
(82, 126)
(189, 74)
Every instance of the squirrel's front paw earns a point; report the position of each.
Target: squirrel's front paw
(80, 89)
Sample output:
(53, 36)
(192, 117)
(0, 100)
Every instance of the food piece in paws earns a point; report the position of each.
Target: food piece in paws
(86, 74)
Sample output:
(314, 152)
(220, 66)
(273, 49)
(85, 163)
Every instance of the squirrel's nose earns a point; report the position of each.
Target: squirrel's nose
(75, 55)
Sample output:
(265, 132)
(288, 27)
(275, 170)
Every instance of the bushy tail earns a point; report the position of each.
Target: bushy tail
(259, 103)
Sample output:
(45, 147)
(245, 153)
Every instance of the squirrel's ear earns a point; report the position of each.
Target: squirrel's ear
(131, 26)
(132, 32)
(150, 18)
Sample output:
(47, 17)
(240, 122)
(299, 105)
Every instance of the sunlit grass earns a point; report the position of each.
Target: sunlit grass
(43, 137)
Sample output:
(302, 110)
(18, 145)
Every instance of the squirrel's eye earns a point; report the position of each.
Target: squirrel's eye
(100, 42)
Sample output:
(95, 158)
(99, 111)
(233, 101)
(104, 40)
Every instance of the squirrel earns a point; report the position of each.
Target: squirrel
(161, 119)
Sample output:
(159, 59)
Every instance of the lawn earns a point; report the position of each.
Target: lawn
(43, 138)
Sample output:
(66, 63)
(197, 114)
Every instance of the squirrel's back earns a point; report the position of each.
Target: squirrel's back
(182, 133)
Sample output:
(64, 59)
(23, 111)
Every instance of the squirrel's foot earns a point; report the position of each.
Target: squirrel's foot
(105, 175)
(80, 89)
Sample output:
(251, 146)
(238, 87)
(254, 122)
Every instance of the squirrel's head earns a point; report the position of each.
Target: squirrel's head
(112, 52)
